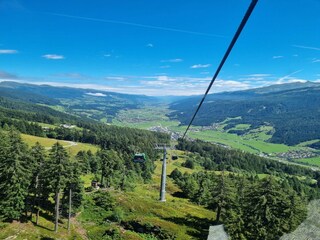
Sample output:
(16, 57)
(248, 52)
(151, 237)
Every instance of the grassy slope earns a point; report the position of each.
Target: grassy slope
(71, 147)
(17, 230)
(22, 231)
(176, 215)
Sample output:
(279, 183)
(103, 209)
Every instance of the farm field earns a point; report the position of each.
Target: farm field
(72, 147)
(311, 161)
(254, 141)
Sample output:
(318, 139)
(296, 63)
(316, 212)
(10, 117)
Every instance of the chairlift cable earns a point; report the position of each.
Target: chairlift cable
(234, 40)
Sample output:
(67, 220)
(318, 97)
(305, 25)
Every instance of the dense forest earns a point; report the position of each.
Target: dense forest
(251, 207)
(35, 181)
(215, 157)
(31, 177)
(288, 111)
(23, 116)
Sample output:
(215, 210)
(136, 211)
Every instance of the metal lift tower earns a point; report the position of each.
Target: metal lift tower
(164, 173)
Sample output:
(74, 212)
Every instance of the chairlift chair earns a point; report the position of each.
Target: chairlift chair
(139, 158)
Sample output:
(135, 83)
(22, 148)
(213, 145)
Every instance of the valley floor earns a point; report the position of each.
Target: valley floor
(254, 141)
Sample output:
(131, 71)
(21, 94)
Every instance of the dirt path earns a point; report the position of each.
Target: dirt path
(71, 144)
(78, 227)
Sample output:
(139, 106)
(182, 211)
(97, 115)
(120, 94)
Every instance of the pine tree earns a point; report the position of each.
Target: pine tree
(83, 160)
(111, 165)
(223, 196)
(269, 210)
(37, 188)
(234, 221)
(57, 168)
(93, 162)
(14, 175)
(73, 191)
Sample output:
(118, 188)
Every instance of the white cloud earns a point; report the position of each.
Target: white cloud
(8, 51)
(229, 85)
(256, 77)
(276, 57)
(175, 60)
(164, 84)
(169, 85)
(252, 79)
(72, 76)
(200, 66)
(107, 55)
(259, 75)
(163, 78)
(150, 45)
(316, 61)
(289, 79)
(306, 47)
(53, 56)
(204, 73)
(96, 94)
(297, 80)
(165, 66)
(295, 55)
(116, 78)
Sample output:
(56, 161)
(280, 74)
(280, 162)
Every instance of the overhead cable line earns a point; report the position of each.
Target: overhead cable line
(234, 40)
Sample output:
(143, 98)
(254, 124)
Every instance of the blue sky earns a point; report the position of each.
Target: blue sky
(158, 47)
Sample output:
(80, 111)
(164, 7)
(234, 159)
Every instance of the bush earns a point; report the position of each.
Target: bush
(188, 164)
(117, 215)
(176, 174)
(104, 200)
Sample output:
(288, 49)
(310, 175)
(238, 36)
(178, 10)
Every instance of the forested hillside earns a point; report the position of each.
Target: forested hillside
(220, 185)
(93, 104)
(252, 205)
(32, 177)
(288, 111)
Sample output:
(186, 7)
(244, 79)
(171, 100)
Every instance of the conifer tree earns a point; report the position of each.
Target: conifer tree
(57, 168)
(93, 162)
(37, 188)
(269, 210)
(73, 191)
(14, 175)
(223, 195)
(83, 160)
(111, 164)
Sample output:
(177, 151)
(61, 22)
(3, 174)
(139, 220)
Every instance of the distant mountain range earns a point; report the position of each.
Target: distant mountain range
(94, 104)
(52, 92)
(292, 109)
